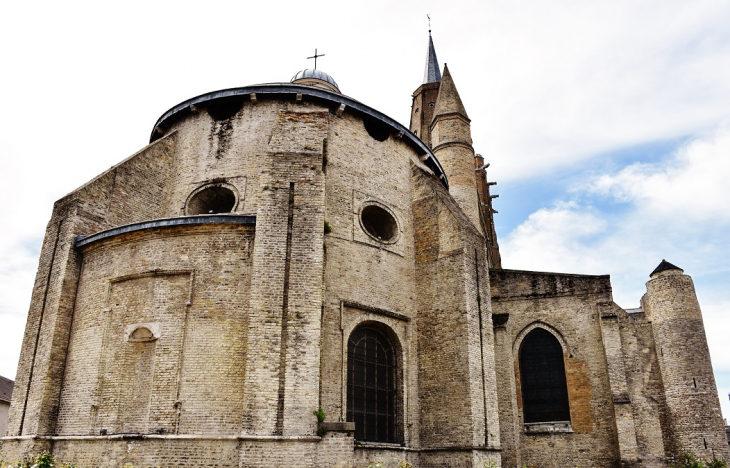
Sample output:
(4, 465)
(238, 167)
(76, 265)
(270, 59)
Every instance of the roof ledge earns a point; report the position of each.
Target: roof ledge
(295, 91)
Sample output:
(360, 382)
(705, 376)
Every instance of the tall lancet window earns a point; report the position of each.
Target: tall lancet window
(542, 378)
(371, 386)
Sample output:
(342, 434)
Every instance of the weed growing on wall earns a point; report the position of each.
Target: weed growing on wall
(320, 414)
(42, 460)
(687, 459)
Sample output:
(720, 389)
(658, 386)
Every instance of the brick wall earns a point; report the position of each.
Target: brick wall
(567, 306)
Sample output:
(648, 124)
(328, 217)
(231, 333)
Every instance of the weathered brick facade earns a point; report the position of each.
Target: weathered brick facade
(195, 304)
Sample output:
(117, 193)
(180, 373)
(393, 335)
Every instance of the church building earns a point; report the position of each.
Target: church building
(286, 276)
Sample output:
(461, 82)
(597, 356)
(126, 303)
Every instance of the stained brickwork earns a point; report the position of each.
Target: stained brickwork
(209, 340)
(567, 306)
(628, 403)
(645, 388)
(201, 321)
(693, 409)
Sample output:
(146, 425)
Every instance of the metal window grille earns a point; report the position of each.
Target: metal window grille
(371, 386)
(542, 371)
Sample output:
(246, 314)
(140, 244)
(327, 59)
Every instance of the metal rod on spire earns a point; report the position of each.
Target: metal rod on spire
(315, 58)
(429, 23)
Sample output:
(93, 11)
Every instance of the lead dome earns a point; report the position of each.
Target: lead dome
(316, 78)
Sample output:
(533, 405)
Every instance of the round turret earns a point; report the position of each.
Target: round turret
(671, 304)
(316, 78)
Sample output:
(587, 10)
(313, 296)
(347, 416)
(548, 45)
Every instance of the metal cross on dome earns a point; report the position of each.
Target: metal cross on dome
(315, 58)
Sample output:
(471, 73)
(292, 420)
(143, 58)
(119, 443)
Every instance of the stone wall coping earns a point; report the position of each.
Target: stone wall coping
(519, 285)
(82, 241)
(547, 273)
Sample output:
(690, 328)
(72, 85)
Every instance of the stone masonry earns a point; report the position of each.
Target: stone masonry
(195, 305)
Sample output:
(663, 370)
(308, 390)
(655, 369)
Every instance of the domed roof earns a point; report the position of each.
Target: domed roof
(306, 75)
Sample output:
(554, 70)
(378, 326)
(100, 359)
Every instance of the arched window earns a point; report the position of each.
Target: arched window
(542, 378)
(371, 386)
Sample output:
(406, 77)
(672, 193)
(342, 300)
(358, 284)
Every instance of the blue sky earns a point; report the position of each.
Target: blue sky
(606, 123)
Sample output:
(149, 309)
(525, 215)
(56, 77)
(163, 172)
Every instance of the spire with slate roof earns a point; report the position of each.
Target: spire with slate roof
(432, 74)
(450, 134)
(449, 101)
(424, 99)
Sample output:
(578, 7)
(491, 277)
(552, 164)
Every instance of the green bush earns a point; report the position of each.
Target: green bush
(42, 460)
(716, 463)
(687, 459)
(319, 413)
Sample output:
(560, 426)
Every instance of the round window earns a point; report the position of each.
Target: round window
(212, 200)
(379, 223)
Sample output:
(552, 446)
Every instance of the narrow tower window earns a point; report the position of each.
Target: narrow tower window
(542, 373)
(371, 386)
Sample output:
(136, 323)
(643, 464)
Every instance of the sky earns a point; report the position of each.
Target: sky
(606, 123)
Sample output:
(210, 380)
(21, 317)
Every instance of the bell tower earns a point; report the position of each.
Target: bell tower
(424, 98)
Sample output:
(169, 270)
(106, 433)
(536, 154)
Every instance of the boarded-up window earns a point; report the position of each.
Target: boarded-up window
(542, 377)
(138, 377)
(371, 386)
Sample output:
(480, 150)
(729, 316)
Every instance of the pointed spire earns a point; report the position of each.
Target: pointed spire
(448, 100)
(432, 74)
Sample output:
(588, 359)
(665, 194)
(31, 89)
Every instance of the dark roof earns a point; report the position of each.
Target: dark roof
(196, 220)
(432, 74)
(664, 266)
(6, 388)
(292, 90)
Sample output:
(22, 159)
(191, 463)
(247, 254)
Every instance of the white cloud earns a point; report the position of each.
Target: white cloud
(692, 185)
(558, 238)
(674, 209)
(19, 260)
(574, 79)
